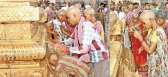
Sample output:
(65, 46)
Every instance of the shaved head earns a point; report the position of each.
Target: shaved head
(61, 15)
(89, 14)
(73, 15)
(146, 15)
(61, 12)
(53, 59)
(89, 11)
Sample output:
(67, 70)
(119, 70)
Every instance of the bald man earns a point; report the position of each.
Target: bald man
(90, 19)
(97, 24)
(155, 45)
(87, 42)
(50, 13)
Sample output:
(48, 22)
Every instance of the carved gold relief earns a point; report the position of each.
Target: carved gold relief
(24, 72)
(22, 47)
(27, 13)
(118, 27)
(15, 31)
(22, 51)
(115, 53)
(3, 4)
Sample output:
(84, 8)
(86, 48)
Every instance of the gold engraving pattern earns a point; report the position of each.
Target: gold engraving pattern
(26, 13)
(7, 4)
(15, 31)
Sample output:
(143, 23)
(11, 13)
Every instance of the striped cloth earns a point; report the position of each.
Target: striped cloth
(69, 64)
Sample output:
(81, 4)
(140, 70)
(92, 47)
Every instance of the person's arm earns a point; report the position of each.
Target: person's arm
(144, 32)
(63, 31)
(50, 68)
(66, 2)
(51, 30)
(148, 48)
(159, 5)
(87, 33)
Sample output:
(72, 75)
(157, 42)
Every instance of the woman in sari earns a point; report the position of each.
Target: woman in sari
(155, 46)
(161, 17)
(140, 58)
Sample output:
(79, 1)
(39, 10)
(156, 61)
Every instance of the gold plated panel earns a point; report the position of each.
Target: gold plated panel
(15, 31)
(24, 72)
(14, 4)
(26, 13)
(21, 51)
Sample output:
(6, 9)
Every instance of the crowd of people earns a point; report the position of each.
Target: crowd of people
(145, 34)
(77, 30)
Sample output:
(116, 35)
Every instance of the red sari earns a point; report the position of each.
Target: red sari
(139, 58)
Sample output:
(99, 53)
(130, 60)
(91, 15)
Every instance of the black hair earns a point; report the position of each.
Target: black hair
(105, 5)
(146, 3)
(161, 14)
(154, 4)
(120, 8)
(135, 4)
(101, 4)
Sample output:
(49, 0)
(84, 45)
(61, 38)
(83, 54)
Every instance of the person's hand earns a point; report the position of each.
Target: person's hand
(57, 42)
(55, 33)
(60, 47)
(131, 29)
(47, 62)
(140, 49)
(137, 35)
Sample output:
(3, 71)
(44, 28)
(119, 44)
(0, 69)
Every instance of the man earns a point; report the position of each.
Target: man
(50, 13)
(156, 7)
(86, 40)
(137, 8)
(146, 6)
(119, 12)
(65, 6)
(101, 6)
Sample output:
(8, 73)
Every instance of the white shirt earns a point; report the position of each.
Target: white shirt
(57, 28)
(65, 8)
(120, 15)
(45, 10)
(105, 10)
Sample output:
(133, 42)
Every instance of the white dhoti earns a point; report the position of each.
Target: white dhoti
(127, 42)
